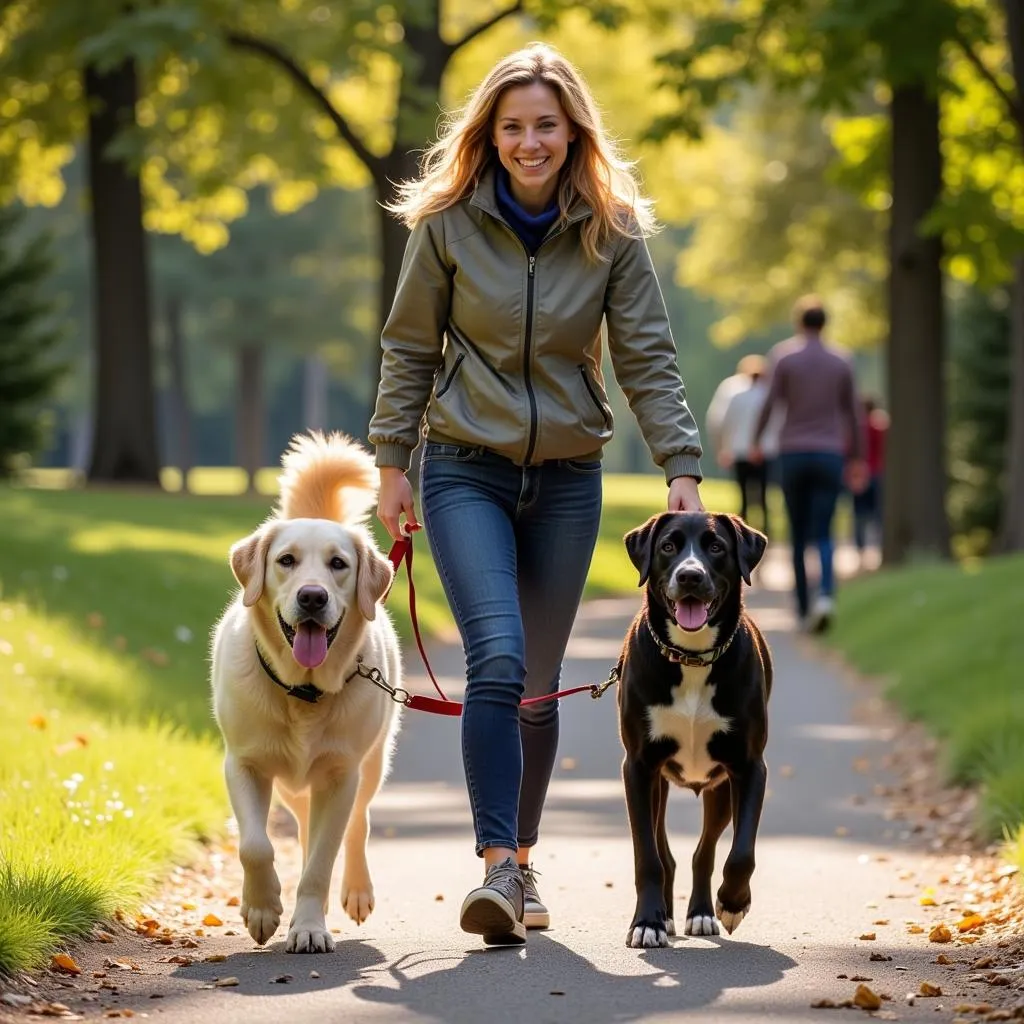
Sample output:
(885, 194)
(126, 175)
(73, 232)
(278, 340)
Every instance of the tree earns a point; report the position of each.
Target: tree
(28, 371)
(834, 54)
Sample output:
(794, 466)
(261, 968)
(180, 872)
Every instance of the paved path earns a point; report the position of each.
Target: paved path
(829, 866)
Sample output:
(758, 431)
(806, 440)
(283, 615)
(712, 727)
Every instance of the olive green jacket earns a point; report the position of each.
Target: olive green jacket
(503, 349)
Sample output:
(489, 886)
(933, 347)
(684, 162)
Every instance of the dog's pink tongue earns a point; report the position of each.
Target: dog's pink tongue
(310, 645)
(691, 614)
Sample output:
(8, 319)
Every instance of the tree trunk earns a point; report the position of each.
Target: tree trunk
(249, 413)
(314, 393)
(1011, 537)
(180, 406)
(125, 447)
(915, 478)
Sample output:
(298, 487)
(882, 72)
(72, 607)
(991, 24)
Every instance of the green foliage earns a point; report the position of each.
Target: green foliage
(28, 372)
(980, 414)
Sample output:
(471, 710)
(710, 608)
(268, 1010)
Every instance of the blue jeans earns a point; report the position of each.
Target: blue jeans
(811, 484)
(512, 545)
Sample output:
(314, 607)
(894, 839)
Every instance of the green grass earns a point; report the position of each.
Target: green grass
(948, 643)
(109, 755)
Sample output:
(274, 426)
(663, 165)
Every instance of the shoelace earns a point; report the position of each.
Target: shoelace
(506, 880)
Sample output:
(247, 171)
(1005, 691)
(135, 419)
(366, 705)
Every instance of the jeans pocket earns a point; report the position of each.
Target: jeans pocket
(584, 467)
(434, 450)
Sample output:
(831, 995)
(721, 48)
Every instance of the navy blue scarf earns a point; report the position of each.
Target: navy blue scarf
(529, 227)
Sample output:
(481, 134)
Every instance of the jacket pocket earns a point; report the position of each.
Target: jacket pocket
(595, 397)
(447, 382)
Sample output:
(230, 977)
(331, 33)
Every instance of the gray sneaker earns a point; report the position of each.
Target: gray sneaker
(495, 910)
(535, 914)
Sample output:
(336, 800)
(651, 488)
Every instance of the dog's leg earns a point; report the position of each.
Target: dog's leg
(648, 927)
(700, 915)
(298, 804)
(356, 884)
(747, 800)
(668, 862)
(261, 889)
(330, 807)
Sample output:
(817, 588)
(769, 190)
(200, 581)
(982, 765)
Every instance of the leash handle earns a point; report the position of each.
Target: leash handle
(401, 551)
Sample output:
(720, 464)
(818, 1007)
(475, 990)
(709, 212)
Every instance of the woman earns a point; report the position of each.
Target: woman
(527, 231)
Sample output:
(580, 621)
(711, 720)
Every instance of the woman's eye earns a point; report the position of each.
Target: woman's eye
(337, 564)
(286, 561)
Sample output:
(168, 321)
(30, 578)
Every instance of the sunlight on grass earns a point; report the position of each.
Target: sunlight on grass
(947, 642)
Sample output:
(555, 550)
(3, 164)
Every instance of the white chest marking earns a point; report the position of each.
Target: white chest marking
(691, 721)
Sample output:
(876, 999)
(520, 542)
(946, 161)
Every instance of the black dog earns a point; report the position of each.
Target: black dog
(695, 676)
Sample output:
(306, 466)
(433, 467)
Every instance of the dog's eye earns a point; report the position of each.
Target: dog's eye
(668, 547)
(337, 564)
(716, 547)
(286, 561)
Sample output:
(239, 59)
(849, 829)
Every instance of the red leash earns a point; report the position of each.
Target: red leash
(401, 551)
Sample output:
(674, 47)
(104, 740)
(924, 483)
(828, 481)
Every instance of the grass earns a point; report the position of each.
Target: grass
(109, 755)
(947, 642)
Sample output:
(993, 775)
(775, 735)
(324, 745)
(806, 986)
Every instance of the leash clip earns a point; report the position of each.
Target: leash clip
(597, 690)
(374, 675)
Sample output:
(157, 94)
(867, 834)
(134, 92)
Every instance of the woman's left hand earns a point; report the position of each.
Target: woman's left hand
(684, 496)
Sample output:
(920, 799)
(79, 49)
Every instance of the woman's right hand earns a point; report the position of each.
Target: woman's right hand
(395, 497)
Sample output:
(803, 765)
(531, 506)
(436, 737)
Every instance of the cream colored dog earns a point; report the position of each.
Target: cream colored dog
(294, 714)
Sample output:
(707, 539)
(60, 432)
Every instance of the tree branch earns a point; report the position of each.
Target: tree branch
(477, 30)
(1013, 103)
(276, 55)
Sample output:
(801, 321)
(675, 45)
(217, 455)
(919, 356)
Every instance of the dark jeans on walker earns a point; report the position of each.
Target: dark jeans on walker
(811, 484)
(512, 545)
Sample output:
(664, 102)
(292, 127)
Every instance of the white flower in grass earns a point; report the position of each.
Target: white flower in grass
(183, 635)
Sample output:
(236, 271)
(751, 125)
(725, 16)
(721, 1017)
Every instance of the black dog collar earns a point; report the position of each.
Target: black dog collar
(307, 691)
(681, 656)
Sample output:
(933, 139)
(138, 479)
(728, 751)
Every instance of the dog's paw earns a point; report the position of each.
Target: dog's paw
(670, 926)
(309, 937)
(357, 897)
(647, 935)
(262, 922)
(701, 924)
(731, 918)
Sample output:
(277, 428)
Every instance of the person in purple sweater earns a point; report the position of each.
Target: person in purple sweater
(813, 382)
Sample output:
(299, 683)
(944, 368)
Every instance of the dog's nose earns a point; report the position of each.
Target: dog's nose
(690, 576)
(312, 599)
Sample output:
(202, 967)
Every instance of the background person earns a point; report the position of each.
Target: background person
(527, 232)
(814, 384)
(867, 502)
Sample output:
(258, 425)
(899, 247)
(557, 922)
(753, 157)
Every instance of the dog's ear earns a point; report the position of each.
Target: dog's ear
(750, 544)
(373, 578)
(249, 564)
(639, 545)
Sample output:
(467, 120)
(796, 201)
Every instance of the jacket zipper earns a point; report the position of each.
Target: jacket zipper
(593, 394)
(451, 376)
(527, 376)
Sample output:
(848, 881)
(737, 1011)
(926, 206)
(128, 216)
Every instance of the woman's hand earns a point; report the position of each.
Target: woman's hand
(395, 497)
(683, 495)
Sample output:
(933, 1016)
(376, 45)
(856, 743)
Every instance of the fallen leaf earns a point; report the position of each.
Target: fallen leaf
(984, 961)
(940, 933)
(883, 921)
(65, 963)
(188, 906)
(215, 958)
(928, 989)
(122, 964)
(879, 956)
(439, 898)
(943, 959)
(234, 901)
(970, 922)
(866, 999)
(225, 982)
(914, 929)
(860, 977)
(212, 920)
(868, 936)
(103, 937)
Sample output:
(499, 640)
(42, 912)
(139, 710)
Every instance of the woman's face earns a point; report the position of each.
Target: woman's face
(532, 134)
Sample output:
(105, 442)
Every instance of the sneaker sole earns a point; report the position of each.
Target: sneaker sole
(488, 914)
(537, 919)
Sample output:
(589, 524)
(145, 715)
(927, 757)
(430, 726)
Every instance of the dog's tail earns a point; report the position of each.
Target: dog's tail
(327, 477)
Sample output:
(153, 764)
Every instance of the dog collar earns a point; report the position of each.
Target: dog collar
(681, 656)
(307, 691)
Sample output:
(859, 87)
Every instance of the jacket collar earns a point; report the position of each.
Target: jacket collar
(483, 198)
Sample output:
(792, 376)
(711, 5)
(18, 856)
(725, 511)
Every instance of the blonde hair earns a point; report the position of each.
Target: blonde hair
(594, 172)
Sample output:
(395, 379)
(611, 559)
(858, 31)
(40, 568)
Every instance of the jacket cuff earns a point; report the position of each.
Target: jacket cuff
(393, 455)
(678, 465)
